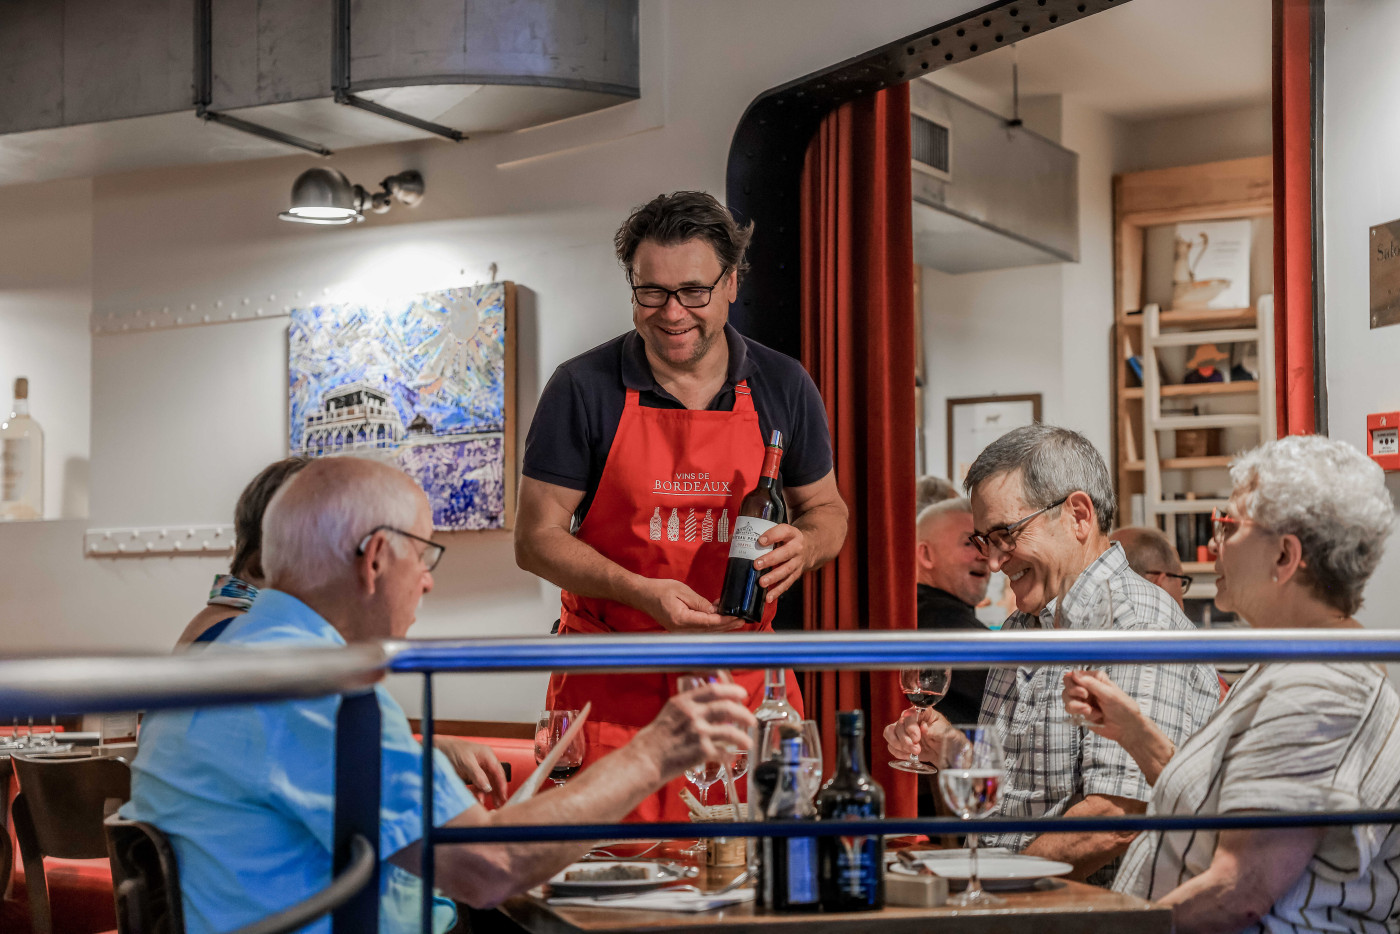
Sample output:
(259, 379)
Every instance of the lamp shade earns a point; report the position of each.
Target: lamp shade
(323, 196)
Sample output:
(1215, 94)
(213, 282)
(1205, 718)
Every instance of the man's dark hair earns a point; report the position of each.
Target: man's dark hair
(248, 515)
(682, 216)
(1053, 463)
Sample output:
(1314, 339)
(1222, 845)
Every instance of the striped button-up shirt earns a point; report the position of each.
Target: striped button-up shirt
(1052, 764)
(1310, 736)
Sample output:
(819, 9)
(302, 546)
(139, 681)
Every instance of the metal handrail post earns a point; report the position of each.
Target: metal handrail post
(358, 754)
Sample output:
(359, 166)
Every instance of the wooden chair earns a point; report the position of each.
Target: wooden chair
(59, 813)
(146, 877)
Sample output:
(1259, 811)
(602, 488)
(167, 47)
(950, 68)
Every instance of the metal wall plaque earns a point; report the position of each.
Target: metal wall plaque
(1385, 274)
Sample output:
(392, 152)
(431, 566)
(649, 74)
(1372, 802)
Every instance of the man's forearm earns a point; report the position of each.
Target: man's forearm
(823, 531)
(1088, 852)
(566, 562)
(485, 874)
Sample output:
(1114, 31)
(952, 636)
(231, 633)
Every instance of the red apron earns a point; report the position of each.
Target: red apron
(669, 495)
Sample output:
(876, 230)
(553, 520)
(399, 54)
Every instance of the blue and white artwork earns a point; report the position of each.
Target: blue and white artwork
(420, 382)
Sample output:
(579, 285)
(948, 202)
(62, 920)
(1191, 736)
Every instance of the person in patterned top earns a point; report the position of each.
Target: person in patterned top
(1044, 503)
(1303, 532)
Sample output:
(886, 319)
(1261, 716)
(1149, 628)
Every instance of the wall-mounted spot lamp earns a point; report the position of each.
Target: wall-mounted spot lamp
(325, 196)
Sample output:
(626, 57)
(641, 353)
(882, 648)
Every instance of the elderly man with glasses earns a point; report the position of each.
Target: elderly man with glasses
(640, 453)
(245, 794)
(1043, 504)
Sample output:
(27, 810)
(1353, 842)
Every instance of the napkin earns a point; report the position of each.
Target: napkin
(662, 900)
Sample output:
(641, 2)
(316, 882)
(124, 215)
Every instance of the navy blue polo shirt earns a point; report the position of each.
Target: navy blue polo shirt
(582, 404)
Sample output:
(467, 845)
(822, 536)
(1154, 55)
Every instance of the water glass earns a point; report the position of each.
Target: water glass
(549, 730)
(972, 769)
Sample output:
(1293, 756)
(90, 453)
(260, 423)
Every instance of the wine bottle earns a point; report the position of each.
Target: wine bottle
(851, 869)
(21, 460)
(761, 509)
(788, 865)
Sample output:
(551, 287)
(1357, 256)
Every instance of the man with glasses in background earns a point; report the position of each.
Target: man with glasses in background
(1154, 558)
(1043, 503)
(641, 451)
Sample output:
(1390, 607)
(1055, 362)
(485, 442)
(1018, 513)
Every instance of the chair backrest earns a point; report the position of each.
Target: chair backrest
(146, 879)
(65, 799)
(58, 812)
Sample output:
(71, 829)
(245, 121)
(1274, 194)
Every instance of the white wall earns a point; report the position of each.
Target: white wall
(1037, 328)
(1360, 189)
(183, 418)
(1189, 139)
(45, 301)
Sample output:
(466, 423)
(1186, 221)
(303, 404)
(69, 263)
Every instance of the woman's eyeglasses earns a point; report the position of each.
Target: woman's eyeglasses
(1004, 538)
(1222, 526)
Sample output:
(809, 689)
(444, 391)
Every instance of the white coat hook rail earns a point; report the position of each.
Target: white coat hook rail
(164, 541)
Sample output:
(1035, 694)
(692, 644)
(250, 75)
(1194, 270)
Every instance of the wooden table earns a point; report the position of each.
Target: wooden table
(1056, 908)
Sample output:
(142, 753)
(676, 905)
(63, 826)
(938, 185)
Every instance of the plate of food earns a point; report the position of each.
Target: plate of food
(996, 868)
(616, 877)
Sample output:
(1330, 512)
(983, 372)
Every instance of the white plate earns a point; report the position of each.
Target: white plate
(996, 868)
(658, 875)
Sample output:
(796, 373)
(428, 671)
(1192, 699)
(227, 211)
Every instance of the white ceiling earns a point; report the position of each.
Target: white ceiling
(1144, 60)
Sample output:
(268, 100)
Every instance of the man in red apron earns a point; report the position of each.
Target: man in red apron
(640, 452)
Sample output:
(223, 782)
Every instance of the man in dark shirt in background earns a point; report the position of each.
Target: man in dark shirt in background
(952, 578)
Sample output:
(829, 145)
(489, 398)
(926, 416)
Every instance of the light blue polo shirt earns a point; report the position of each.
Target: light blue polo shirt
(246, 794)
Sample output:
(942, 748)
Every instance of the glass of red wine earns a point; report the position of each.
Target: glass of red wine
(924, 687)
(549, 730)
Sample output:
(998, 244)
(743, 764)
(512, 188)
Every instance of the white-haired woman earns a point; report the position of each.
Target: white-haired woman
(1303, 531)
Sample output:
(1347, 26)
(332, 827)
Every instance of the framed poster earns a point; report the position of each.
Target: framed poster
(424, 382)
(976, 421)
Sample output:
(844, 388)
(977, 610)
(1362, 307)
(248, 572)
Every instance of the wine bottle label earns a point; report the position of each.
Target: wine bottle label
(743, 542)
(801, 870)
(14, 474)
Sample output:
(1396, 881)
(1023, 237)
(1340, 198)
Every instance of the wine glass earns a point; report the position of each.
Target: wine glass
(972, 767)
(811, 758)
(924, 687)
(703, 774)
(1096, 614)
(549, 730)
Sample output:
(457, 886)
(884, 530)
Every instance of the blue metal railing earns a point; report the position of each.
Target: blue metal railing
(82, 685)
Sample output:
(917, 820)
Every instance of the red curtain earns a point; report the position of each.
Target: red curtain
(1293, 221)
(858, 343)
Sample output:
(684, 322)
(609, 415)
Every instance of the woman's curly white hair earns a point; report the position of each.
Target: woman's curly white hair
(1332, 497)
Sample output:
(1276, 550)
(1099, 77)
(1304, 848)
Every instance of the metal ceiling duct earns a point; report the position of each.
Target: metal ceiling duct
(288, 65)
(988, 195)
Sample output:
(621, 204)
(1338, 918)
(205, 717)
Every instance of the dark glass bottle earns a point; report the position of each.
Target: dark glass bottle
(761, 508)
(787, 867)
(851, 869)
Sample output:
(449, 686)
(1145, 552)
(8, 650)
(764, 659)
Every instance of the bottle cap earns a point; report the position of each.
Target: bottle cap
(775, 440)
(22, 388)
(850, 722)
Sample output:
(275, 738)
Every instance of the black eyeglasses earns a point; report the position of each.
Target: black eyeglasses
(1004, 538)
(430, 556)
(690, 296)
(1184, 578)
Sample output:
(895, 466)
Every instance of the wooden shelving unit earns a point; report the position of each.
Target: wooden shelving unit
(1240, 188)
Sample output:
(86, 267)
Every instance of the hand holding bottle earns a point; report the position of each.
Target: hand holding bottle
(785, 563)
(678, 608)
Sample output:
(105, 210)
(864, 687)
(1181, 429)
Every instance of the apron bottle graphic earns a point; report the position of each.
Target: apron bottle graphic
(724, 526)
(691, 528)
(707, 527)
(656, 525)
(673, 527)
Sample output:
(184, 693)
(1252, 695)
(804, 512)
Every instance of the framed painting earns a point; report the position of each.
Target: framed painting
(976, 421)
(425, 382)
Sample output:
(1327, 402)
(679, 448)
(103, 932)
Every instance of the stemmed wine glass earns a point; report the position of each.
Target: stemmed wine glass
(924, 687)
(972, 768)
(549, 730)
(703, 774)
(1097, 614)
